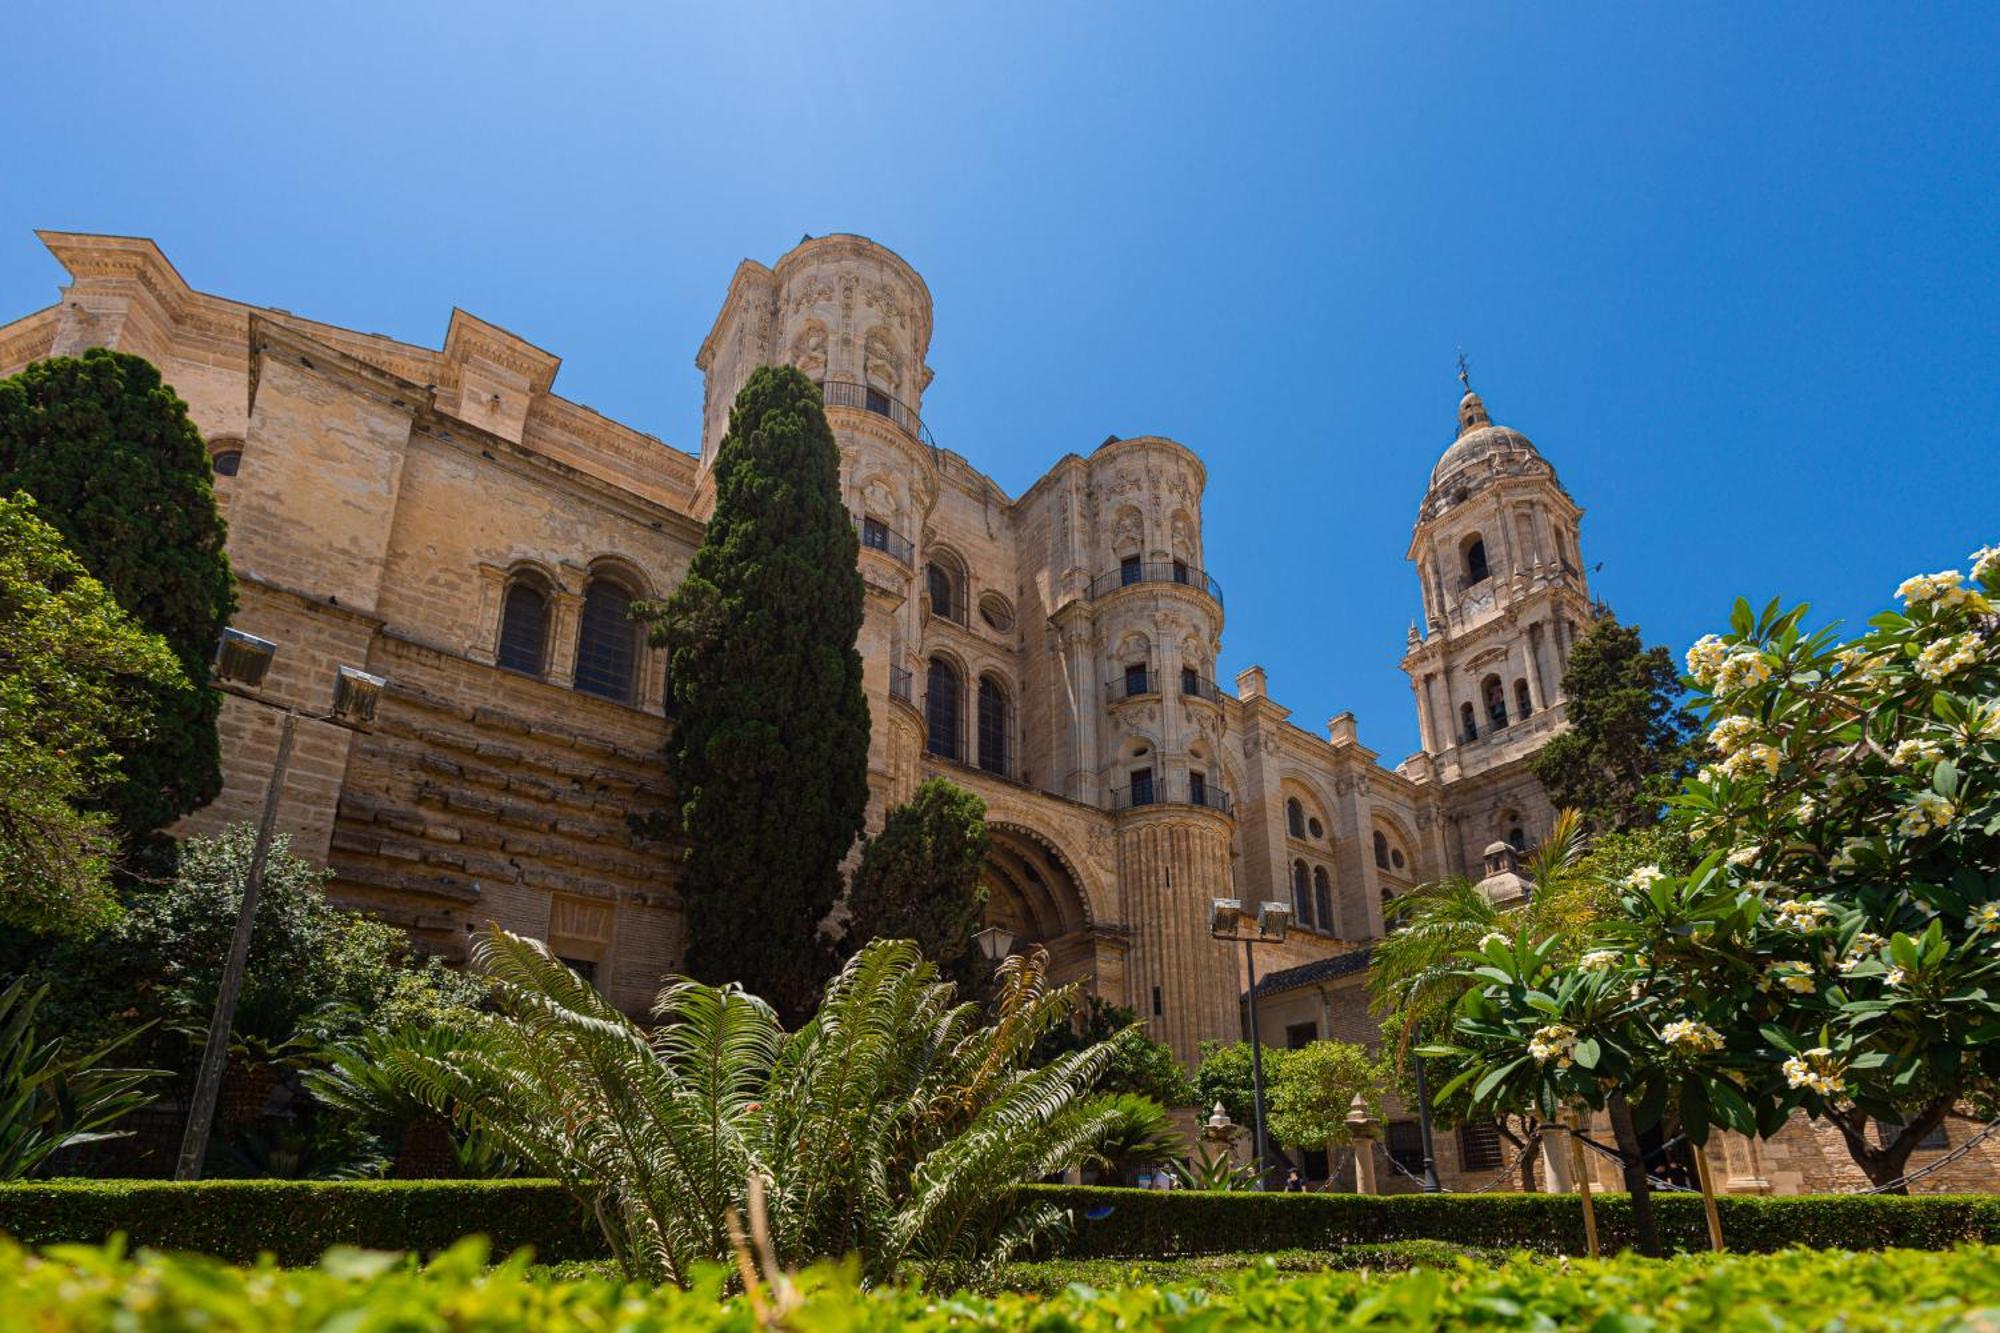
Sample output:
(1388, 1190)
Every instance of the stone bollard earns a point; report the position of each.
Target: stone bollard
(1362, 1130)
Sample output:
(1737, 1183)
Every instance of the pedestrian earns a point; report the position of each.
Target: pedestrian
(1294, 1182)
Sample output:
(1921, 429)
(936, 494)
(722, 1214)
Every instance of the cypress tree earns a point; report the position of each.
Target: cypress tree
(919, 880)
(769, 755)
(1629, 741)
(115, 466)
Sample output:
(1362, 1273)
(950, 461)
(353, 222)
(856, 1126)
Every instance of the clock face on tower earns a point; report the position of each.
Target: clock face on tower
(1479, 599)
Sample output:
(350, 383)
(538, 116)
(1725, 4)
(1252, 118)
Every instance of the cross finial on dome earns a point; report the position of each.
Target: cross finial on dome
(1464, 370)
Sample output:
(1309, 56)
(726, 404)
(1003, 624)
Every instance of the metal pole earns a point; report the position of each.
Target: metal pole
(1708, 1197)
(1574, 1124)
(1431, 1185)
(1256, 1069)
(208, 1083)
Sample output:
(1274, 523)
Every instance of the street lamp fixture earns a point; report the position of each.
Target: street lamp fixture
(241, 663)
(1229, 919)
(995, 943)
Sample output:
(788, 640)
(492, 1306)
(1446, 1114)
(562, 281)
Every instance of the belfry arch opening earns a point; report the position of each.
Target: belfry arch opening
(1033, 892)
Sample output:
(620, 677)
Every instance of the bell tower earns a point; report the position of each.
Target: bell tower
(1504, 596)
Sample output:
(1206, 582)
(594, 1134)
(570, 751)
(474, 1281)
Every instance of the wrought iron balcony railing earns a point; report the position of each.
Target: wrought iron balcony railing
(1195, 684)
(849, 393)
(1169, 791)
(1155, 571)
(1131, 685)
(879, 536)
(899, 682)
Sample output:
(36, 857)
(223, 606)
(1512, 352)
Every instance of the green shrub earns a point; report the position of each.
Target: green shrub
(1117, 1222)
(299, 1220)
(1219, 1272)
(94, 1288)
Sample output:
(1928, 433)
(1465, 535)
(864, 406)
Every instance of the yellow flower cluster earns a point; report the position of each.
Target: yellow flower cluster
(1986, 564)
(1732, 734)
(1751, 759)
(1603, 960)
(1816, 1069)
(1794, 977)
(1984, 723)
(1745, 855)
(1895, 976)
(1691, 1037)
(1741, 669)
(1645, 877)
(1705, 658)
(1985, 919)
(1844, 858)
(1947, 656)
(1908, 754)
(1806, 914)
(1927, 812)
(1554, 1042)
(1944, 587)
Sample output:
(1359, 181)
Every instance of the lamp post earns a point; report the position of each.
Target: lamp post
(1430, 1182)
(995, 943)
(1227, 921)
(241, 661)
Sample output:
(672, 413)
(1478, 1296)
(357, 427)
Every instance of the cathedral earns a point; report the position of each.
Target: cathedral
(443, 519)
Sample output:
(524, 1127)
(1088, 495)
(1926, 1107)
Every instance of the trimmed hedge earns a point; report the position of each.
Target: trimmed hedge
(299, 1220)
(1143, 1223)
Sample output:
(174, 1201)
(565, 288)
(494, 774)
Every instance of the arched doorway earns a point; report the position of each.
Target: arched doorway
(1032, 890)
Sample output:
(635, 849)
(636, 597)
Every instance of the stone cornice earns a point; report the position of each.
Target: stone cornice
(1111, 448)
(470, 336)
(268, 337)
(28, 338)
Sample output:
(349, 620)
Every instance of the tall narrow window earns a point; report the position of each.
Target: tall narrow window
(941, 709)
(1381, 850)
(1142, 786)
(1130, 570)
(1496, 700)
(1523, 706)
(1136, 681)
(1475, 561)
(874, 534)
(1197, 788)
(943, 590)
(1190, 680)
(607, 642)
(1295, 818)
(992, 726)
(524, 628)
(1180, 571)
(1470, 728)
(1322, 899)
(1302, 898)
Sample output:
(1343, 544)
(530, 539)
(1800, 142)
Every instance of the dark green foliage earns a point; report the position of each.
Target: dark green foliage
(770, 754)
(50, 1099)
(1224, 1075)
(296, 1220)
(1630, 740)
(919, 880)
(117, 468)
(1222, 1272)
(1142, 1066)
(1170, 1224)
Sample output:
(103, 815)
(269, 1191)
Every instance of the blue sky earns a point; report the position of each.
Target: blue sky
(1733, 268)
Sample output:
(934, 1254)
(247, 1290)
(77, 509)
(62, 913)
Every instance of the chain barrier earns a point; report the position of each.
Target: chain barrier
(1927, 1168)
(1505, 1172)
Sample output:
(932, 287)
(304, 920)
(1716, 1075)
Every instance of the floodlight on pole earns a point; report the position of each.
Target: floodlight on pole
(1229, 920)
(241, 663)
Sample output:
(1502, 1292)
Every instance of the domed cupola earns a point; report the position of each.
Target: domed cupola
(1483, 449)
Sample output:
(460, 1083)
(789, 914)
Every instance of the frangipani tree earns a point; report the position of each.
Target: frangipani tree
(1837, 948)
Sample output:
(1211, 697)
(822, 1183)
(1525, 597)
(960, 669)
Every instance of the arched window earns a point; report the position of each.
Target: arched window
(1495, 696)
(1302, 900)
(524, 628)
(941, 709)
(944, 579)
(1469, 730)
(992, 726)
(1523, 706)
(1322, 899)
(1475, 561)
(1518, 838)
(1295, 818)
(607, 642)
(1381, 850)
(227, 461)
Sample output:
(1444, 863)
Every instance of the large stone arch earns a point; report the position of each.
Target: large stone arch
(1035, 890)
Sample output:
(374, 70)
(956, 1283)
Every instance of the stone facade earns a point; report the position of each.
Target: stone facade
(442, 518)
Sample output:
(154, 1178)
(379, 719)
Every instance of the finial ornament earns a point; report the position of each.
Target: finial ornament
(1464, 370)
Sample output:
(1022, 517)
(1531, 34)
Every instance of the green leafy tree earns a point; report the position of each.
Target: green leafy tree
(1629, 741)
(919, 879)
(1835, 949)
(1224, 1075)
(770, 749)
(117, 468)
(1310, 1097)
(896, 1125)
(78, 679)
(1140, 1065)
